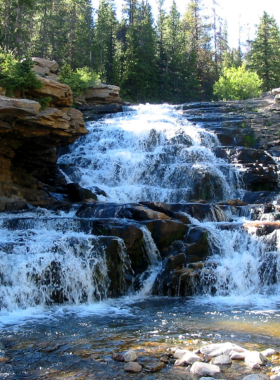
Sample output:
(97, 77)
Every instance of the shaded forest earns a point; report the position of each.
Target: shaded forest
(173, 58)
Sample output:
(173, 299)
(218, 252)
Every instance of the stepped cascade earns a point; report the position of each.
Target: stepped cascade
(150, 169)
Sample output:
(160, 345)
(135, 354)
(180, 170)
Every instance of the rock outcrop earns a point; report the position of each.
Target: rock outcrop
(29, 137)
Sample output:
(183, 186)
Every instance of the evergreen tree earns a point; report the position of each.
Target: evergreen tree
(198, 30)
(264, 56)
(139, 76)
(105, 41)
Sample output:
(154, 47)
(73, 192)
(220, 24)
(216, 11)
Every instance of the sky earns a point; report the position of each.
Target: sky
(246, 13)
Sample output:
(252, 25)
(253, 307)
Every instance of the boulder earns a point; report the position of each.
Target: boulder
(52, 65)
(205, 369)
(255, 359)
(42, 71)
(102, 94)
(60, 93)
(277, 99)
(216, 349)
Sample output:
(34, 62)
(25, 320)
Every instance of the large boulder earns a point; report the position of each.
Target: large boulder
(60, 93)
(102, 94)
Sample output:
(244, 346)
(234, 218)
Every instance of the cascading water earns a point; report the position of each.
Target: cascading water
(57, 266)
(150, 153)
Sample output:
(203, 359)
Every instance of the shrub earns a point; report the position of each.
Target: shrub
(237, 83)
(17, 77)
(78, 80)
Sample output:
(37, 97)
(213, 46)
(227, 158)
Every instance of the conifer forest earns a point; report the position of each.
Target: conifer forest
(167, 57)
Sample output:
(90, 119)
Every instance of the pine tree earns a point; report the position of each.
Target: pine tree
(105, 41)
(139, 76)
(264, 56)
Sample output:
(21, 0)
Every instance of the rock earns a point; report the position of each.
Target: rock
(255, 359)
(132, 367)
(179, 353)
(276, 369)
(60, 93)
(11, 108)
(187, 359)
(151, 365)
(42, 71)
(221, 360)
(205, 369)
(46, 63)
(256, 377)
(102, 93)
(237, 355)
(269, 352)
(275, 91)
(118, 357)
(275, 377)
(217, 349)
(277, 99)
(130, 356)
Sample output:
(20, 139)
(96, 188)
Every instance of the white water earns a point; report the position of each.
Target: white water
(150, 153)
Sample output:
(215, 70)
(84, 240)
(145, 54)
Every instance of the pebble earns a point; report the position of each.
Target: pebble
(132, 367)
(130, 356)
(205, 369)
(221, 360)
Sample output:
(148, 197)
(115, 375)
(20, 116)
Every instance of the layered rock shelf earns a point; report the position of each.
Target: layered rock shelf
(29, 138)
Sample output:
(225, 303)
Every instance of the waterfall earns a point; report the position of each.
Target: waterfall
(150, 153)
(153, 155)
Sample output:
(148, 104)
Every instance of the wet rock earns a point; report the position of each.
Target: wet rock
(216, 349)
(130, 356)
(151, 365)
(256, 377)
(205, 369)
(188, 358)
(118, 357)
(221, 360)
(165, 232)
(275, 377)
(237, 355)
(269, 352)
(179, 353)
(255, 359)
(132, 367)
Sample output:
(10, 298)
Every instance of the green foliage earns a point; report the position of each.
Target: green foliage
(17, 77)
(264, 56)
(237, 83)
(79, 79)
